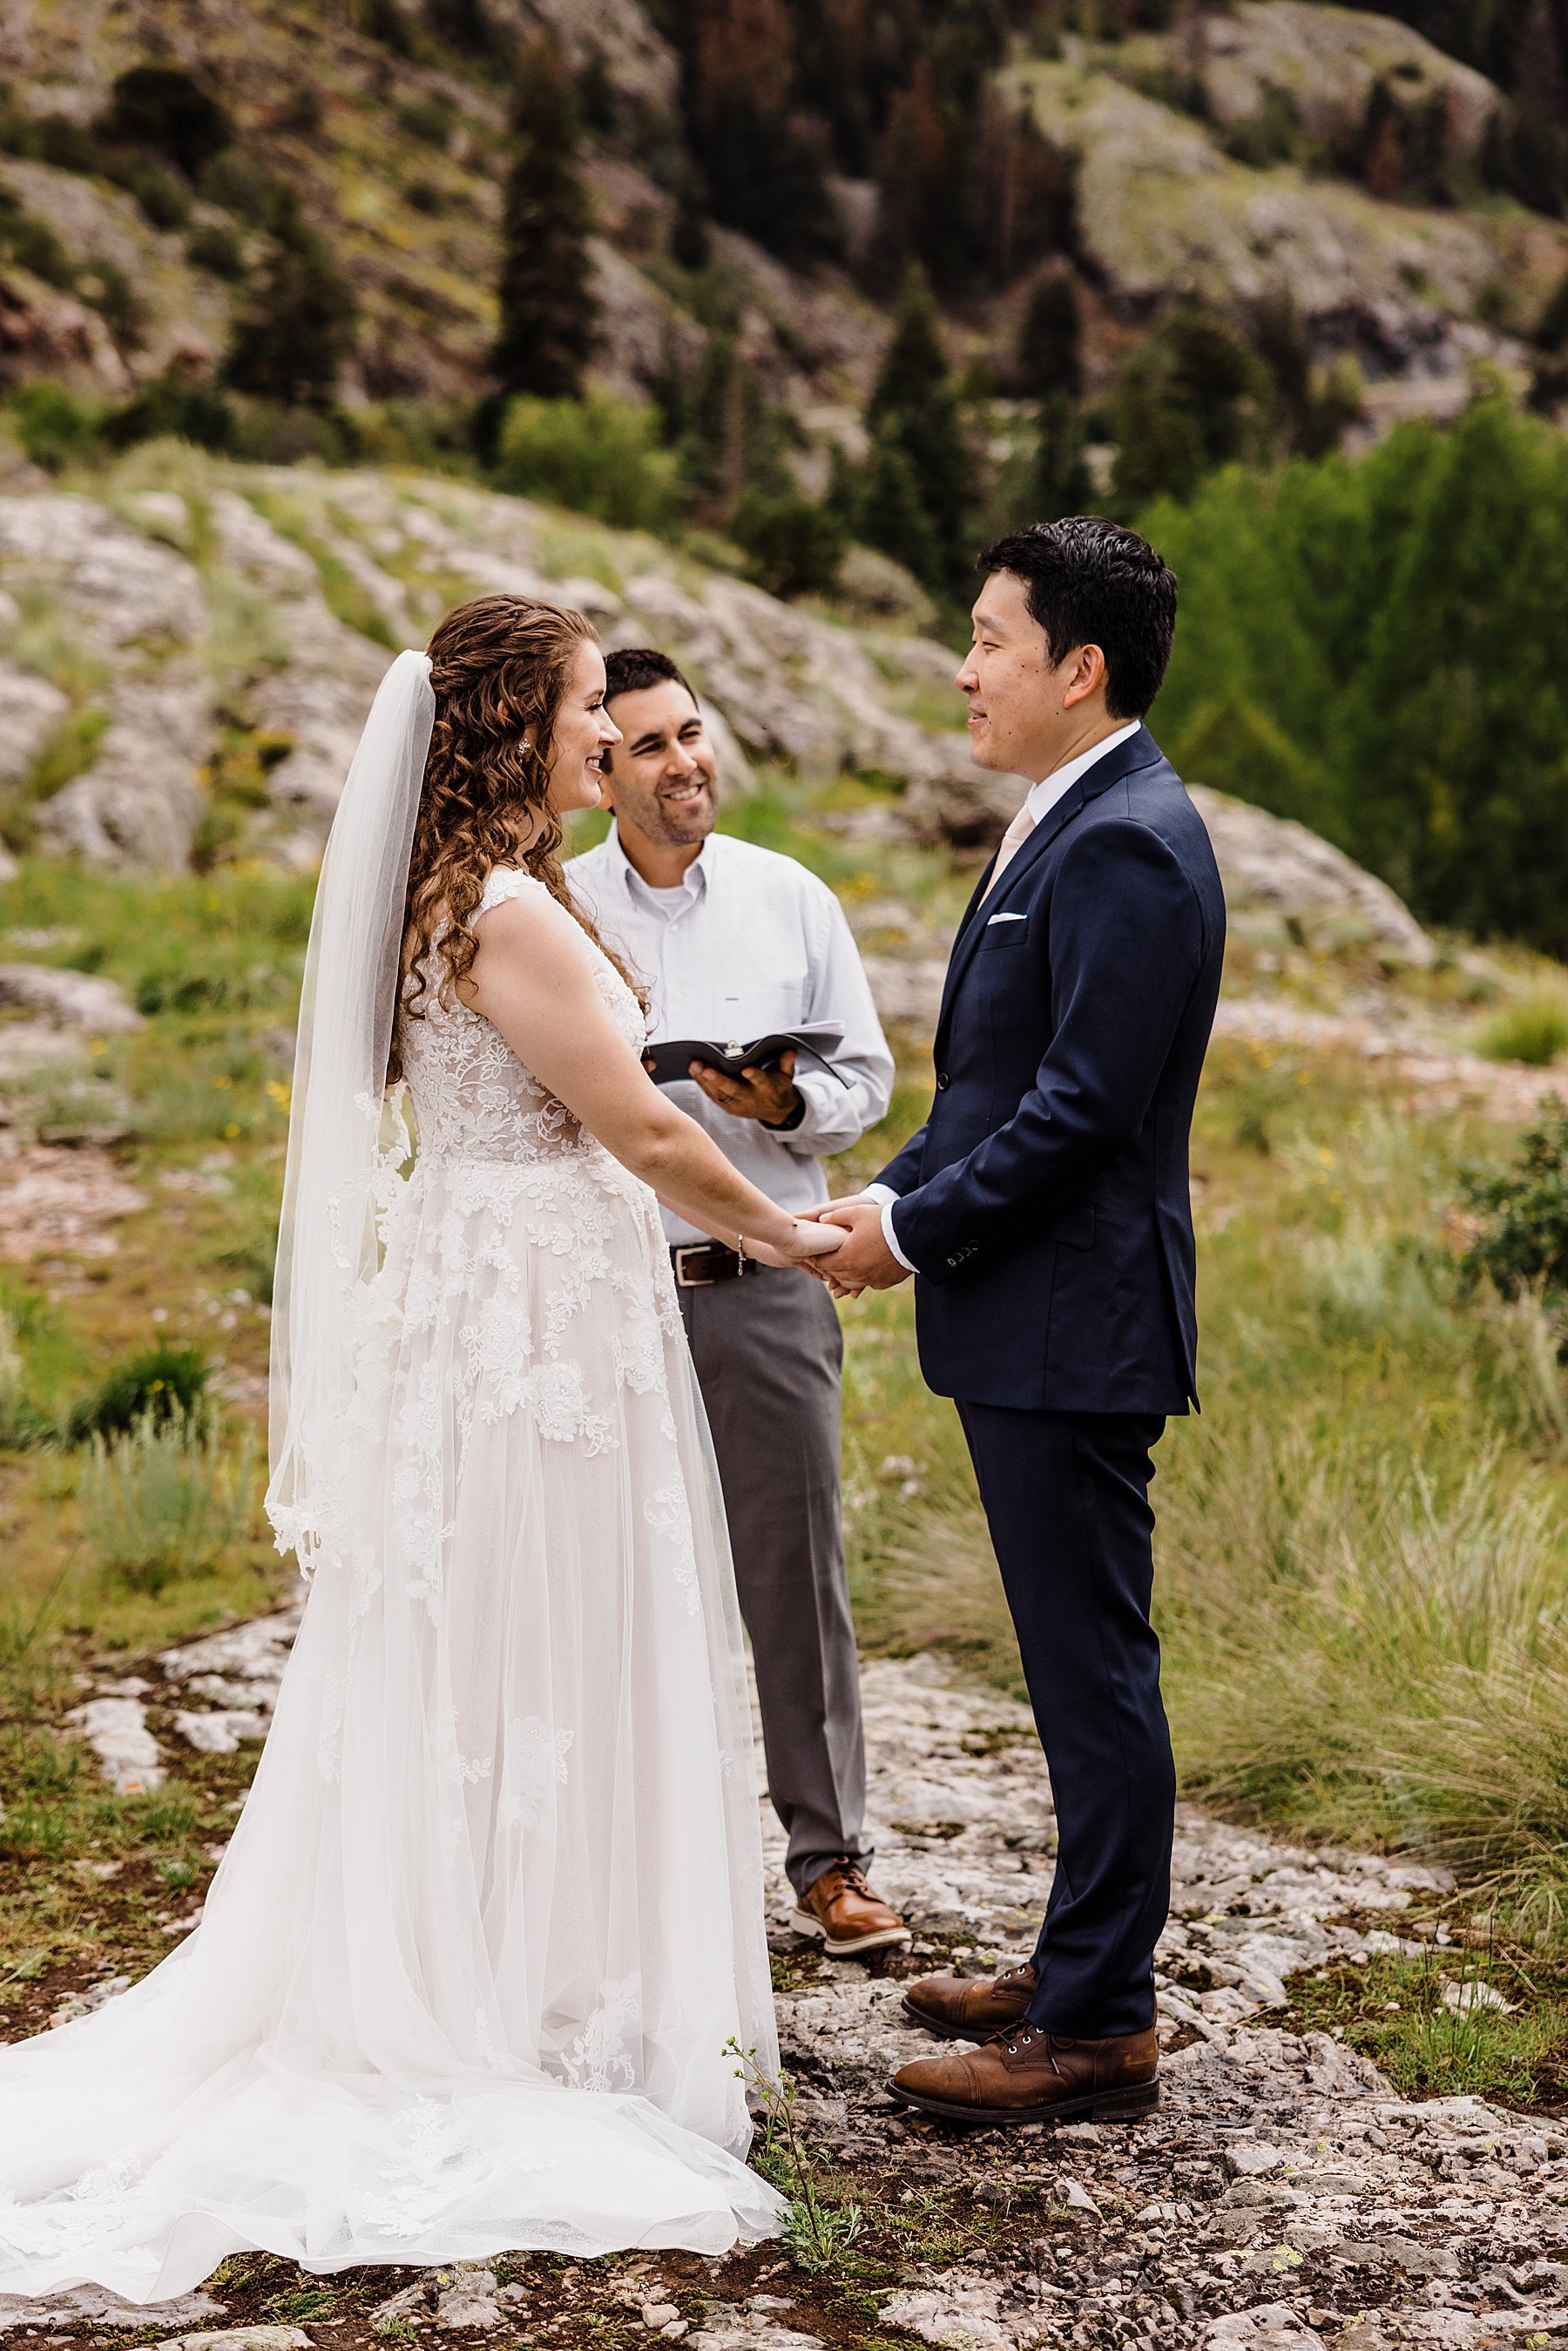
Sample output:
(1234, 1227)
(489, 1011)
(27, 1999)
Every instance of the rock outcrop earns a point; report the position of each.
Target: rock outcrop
(317, 577)
(1166, 211)
(1285, 883)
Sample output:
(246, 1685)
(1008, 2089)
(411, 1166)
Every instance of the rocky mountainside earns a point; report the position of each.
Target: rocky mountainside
(1228, 158)
(188, 653)
(184, 670)
(1204, 164)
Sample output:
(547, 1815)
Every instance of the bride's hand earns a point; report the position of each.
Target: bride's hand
(804, 1242)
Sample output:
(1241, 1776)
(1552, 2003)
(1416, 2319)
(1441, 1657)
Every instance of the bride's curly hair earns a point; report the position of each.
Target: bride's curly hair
(499, 667)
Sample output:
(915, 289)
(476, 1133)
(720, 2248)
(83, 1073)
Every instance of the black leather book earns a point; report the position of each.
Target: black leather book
(671, 1058)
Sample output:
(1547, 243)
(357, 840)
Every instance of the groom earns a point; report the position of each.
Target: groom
(1043, 1207)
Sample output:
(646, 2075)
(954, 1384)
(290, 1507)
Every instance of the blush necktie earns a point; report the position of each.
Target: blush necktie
(1013, 839)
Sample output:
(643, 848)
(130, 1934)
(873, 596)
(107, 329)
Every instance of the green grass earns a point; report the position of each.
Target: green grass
(1393, 2010)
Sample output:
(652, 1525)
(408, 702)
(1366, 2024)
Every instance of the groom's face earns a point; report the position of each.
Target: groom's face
(661, 782)
(1023, 707)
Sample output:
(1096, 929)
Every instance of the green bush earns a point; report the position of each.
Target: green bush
(163, 1501)
(599, 456)
(1533, 1029)
(1522, 1242)
(795, 548)
(169, 407)
(32, 244)
(215, 249)
(53, 426)
(163, 196)
(161, 109)
(162, 1383)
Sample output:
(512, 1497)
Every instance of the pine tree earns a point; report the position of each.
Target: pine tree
(548, 314)
(915, 411)
(1061, 483)
(1050, 349)
(892, 515)
(297, 325)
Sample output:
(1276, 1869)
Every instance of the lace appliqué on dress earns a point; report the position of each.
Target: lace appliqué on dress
(534, 1757)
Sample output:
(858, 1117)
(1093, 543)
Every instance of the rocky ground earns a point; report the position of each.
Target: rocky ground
(1282, 2197)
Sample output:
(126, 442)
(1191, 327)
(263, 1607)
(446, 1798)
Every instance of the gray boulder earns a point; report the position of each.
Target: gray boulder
(140, 802)
(68, 999)
(1277, 871)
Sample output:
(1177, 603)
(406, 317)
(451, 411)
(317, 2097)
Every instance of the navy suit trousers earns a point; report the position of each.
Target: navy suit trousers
(1066, 1497)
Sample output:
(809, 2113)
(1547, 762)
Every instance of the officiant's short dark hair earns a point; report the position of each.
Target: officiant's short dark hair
(1090, 582)
(634, 668)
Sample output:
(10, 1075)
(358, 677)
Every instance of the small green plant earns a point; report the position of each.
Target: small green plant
(304, 2305)
(601, 457)
(1521, 1243)
(164, 1501)
(1533, 1028)
(161, 1382)
(820, 2230)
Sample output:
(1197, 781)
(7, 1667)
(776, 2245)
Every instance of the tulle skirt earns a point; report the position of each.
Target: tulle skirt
(474, 1971)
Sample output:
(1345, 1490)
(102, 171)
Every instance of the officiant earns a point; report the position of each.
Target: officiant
(735, 941)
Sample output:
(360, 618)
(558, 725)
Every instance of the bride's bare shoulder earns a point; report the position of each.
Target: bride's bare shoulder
(527, 936)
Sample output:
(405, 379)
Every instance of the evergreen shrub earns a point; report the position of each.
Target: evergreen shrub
(600, 456)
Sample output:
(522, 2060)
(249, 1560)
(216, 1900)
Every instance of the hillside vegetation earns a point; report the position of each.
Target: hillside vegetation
(1154, 245)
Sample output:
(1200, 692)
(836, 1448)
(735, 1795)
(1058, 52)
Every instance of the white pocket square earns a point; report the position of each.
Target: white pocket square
(1007, 918)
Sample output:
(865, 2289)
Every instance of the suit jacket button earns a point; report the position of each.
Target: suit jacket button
(941, 1081)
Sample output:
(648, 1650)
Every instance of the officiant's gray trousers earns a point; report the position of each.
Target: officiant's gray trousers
(769, 1355)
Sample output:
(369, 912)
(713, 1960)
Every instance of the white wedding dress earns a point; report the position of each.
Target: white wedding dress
(471, 1970)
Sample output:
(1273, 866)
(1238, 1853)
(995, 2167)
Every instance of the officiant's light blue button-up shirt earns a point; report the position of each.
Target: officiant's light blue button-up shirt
(750, 942)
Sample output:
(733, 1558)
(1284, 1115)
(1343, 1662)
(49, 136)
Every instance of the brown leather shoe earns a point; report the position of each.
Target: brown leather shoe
(840, 1911)
(1028, 2075)
(971, 2008)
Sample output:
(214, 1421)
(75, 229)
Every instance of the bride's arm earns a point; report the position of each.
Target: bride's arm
(531, 977)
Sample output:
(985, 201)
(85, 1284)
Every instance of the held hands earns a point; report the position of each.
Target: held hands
(865, 1262)
(806, 1240)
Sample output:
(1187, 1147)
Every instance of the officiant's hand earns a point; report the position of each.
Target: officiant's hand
(770, 1095)
(865, 1262)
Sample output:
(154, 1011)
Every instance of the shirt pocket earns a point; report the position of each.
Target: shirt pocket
(748, 1011)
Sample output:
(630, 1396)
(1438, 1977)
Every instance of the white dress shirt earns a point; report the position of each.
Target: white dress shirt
(1043, 798)
(749, 942)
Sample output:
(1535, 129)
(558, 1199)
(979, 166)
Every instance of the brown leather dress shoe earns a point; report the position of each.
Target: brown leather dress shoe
(1028, 2075)
(840, 1911)
(971, 2008)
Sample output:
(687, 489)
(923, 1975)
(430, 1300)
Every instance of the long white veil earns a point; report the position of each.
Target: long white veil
(338, 1166)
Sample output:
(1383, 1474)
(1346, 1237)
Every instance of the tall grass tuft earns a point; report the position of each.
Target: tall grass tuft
(164, 1501)
(1533, 1029)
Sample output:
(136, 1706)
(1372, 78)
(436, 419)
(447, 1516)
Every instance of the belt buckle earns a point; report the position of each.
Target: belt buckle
(691, 1281)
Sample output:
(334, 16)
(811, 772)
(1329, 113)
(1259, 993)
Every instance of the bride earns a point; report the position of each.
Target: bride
(472, 1970)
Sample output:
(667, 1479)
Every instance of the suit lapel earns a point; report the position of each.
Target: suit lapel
(1139, 750)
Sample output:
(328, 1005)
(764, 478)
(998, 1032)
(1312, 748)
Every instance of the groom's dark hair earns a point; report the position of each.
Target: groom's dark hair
(634, 668)
(1090, 582)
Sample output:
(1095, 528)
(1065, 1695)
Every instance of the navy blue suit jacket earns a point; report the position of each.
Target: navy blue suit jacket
(1044, 1203)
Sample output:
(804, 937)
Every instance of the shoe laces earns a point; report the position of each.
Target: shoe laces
(853, 1878)
(1020, 2036)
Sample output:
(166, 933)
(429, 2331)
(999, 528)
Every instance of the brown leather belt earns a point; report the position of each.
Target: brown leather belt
(699, 1264)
